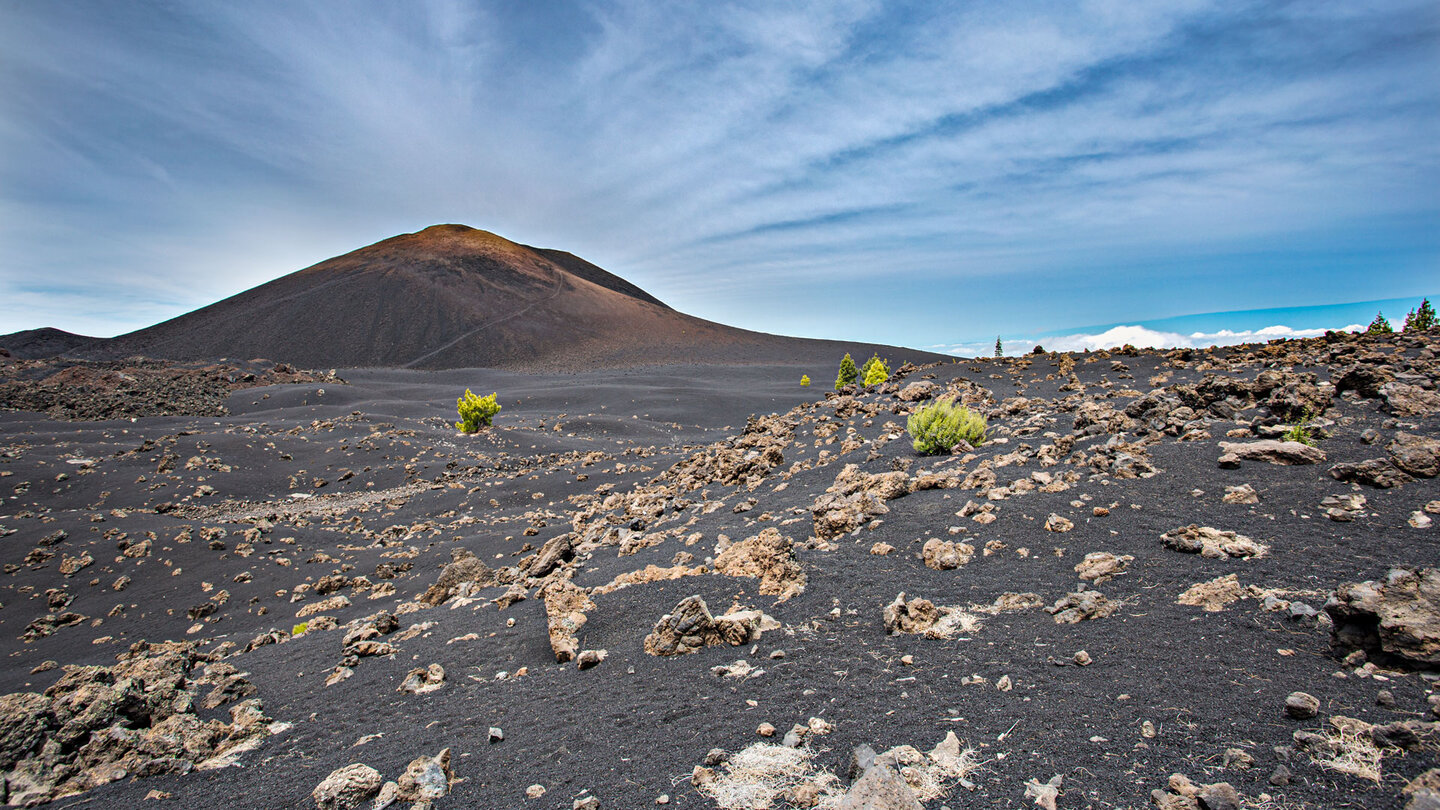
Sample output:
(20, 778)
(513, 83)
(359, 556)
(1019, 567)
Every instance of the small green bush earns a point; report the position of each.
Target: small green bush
(940, 426)
(475, 411)
(876, 372)
(848, 372)
(805, 380)
(299, 629)
(1379, 326)
(1300, 431)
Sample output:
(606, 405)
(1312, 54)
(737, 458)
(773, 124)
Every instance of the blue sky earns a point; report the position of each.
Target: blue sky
(916, 173)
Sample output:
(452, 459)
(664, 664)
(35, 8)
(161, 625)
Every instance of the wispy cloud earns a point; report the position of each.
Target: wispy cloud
(804, 168)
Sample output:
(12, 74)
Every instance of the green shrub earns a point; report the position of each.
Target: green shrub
(940, 426)
(847, 374)
(805, 380)
(299, 629)
(1421, 319)
(1300, 431)
(1379, 326)
(475, 411)
(869, 364)
(876, 372)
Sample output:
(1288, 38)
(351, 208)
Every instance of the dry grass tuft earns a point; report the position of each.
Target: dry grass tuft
(763, 774)
(1351, 751)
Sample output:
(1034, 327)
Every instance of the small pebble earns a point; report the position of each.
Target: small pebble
(1302, 706)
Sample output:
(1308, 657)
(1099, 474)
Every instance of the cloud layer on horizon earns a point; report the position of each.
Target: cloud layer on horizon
(907, 173)
(1139, 336)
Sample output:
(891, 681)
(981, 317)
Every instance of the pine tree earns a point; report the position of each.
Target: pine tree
(848, 373)
(999, 350)
(865, 369)
(877, 372)
(1421, 319)
(1379, 326)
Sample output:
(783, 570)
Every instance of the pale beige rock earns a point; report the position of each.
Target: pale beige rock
(768, 556)
(946, 555)
(347, 788)
(1215, 594)
(565, 608)
(1100, 566)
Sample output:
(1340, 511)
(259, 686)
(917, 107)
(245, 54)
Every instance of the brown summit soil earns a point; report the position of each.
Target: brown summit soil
(341, 510)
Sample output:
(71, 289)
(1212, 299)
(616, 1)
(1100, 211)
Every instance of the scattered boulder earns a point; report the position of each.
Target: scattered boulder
(1080, 606)
(348, 787)
(768, 556)
(462, 576)
(589, 659)
(1213, 543)
(426, 779)
(1365, 379)
(1056, 523)
(918, 391)
(1214, 595)
(690, 627)
(880, 787)
(923, 617)
(565, 608)
(1403, 399)
(423, 679)
(1101, 566)
(99, 724)
(1343, 508)
(854, 498)
(1395, 620)
(1375, 472)
(1416, 455)
(946, 555)
(1242, 494)
(1270, 450)
(556, 552)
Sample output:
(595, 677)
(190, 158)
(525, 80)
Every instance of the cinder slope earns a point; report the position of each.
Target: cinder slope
(456, 297)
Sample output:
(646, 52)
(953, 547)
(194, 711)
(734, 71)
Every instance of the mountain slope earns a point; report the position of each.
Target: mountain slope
(454, 297)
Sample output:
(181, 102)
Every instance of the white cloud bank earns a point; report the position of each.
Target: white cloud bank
(1140, 336)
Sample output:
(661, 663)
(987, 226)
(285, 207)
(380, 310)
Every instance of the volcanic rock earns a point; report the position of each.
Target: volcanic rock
(854, 498)
(347, 788)
(768, 556)
(1273, 451)
(1417, 455)
(1397, 619)
(1080, 606)
(944, 555)
(1211, 542)
(565, 608)
(1375, 472)
(690, 627)
(1403, 399)
(464, 575)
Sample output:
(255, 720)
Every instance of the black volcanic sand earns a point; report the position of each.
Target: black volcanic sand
(383, 477)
